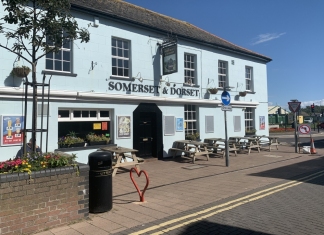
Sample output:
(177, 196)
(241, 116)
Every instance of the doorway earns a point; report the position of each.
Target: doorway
(147, 137)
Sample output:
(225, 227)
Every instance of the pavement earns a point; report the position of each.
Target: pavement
(177, 187)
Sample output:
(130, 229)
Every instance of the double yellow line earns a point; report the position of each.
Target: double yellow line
(200, 215)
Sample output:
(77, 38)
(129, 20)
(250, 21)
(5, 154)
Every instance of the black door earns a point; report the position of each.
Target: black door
(147, 127)
(146, 135)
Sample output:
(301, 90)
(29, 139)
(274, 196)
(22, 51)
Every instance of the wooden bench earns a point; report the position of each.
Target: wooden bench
(140, 160)
(253, 146)
(267, 141)
(187, 153)
(221, 147)
(200, 154)
(250, 145)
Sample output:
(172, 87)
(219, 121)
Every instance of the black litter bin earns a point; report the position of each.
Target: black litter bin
(100, 181)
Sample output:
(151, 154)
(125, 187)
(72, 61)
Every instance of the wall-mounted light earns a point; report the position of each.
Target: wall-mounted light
(138, 77)
(166, 80)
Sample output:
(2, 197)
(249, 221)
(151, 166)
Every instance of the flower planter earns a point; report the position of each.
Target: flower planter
(21, 71)
(72, 145)
(242, 93)
(97, 142)
(212, 90)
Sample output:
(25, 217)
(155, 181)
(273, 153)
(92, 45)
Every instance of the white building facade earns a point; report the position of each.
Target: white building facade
(118, 85)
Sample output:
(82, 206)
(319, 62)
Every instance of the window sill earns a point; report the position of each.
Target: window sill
(59, 73)
(223, 89)
(188, 85)
(122, 79)
(250, 92)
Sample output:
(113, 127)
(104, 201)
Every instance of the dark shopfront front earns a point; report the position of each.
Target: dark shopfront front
(147, 129)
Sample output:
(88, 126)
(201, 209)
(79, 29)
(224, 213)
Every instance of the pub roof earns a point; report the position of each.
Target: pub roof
(132, 14)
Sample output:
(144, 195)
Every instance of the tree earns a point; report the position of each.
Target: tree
(38, 27)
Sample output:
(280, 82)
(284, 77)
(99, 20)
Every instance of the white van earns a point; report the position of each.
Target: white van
(308, 120)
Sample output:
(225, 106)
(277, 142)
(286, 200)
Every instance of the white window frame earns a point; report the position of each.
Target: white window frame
(249, 118)
(122, 61)
(190, 69)
(71, 117)
(190, 116)
(54, 57)
(248, 78)
(222, 73)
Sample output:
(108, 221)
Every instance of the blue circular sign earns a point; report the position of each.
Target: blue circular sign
(226, 98)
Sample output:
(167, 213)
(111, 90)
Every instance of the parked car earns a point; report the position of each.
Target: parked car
(308, 120)
(321, 125)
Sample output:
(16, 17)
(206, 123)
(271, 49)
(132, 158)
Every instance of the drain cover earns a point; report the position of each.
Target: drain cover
(193, 167)
(276, 156)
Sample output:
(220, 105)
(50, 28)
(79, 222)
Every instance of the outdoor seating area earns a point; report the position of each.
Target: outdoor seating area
(216, 146)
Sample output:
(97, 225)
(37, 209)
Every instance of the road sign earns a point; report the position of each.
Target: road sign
(294, 106)
(226, 98)
(226, 108)
(304, 129)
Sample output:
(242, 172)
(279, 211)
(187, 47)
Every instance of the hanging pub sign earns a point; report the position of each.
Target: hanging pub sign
(170, 58)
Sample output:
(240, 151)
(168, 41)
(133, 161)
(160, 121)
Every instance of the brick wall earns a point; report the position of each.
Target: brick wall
(47, 199)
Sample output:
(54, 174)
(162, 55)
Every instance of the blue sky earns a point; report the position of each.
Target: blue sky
(291, 32)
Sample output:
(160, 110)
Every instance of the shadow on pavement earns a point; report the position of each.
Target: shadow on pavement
(286, 172)
(206, 227)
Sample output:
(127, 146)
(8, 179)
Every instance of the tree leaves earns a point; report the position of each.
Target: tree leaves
(35, 21)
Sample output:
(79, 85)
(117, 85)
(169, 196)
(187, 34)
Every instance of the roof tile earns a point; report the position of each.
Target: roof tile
(147, 18)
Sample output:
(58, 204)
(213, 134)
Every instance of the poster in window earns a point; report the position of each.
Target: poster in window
(12, 130)
(123, 127)
(170, 59)
(104, 126)
(179, 124)
(97, 126)
(262, 122)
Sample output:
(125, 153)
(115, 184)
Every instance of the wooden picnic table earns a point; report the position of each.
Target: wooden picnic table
(191, 148)
(218, 144)
(246, 142)
(120, 157)
(268, 141)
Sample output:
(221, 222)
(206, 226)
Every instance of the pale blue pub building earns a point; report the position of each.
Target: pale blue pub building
(144, 79)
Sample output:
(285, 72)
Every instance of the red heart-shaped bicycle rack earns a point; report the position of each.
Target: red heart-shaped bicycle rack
(140, 193)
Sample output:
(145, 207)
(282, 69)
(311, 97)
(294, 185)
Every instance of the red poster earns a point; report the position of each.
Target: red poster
(104, 126)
